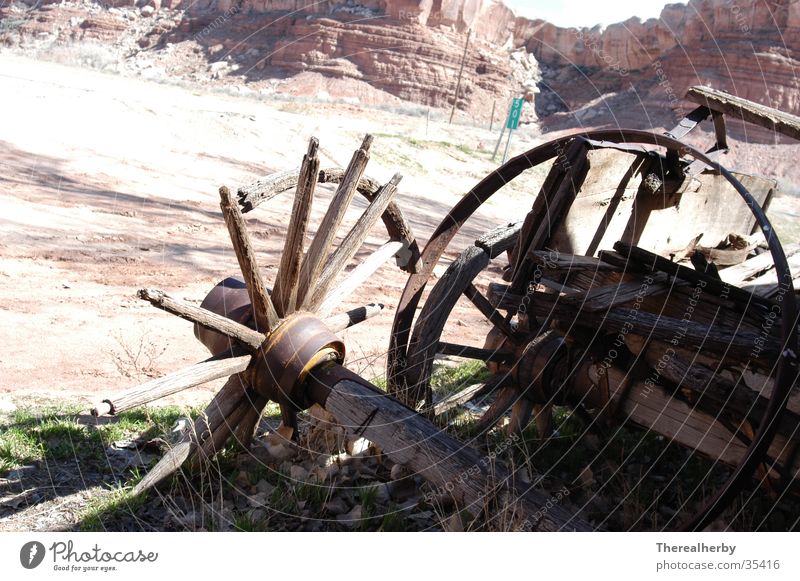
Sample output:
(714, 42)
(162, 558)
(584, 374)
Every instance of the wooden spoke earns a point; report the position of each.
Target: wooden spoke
(353, 241)
(352, 317)
(208, 370)
(358, 276)
(521, 412)
(246, 428)
(285, 290)
(468, 394)
(265, 315)
(474, 353)
(544, 420)
(169, 464)
(203, 317)
(318, 250)
(506, 397)
(487, 310)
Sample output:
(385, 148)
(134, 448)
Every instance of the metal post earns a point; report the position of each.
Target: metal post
(460, 72)
(505, 153)
(491, 121)
(502, 132)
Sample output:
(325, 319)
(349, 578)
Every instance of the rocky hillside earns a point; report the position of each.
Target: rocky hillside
(401, 52)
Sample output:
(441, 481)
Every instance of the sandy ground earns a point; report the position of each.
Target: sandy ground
(109, 185)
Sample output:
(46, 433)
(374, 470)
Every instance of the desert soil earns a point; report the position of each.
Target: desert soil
(110, 185)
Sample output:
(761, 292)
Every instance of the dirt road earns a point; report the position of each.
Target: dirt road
(109, 185)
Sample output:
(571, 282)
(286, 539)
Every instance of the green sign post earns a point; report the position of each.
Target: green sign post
(513, 115)
(512, 122)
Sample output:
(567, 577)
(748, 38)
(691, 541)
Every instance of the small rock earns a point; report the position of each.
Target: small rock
(298, 473)
(382, 492)
(147, 11)
(336, 506)
(265, 487)
(399, 471)
(453, 524)
(351, 518)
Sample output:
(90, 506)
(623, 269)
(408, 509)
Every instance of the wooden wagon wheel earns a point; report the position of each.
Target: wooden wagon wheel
(520, 356)
(268, 341)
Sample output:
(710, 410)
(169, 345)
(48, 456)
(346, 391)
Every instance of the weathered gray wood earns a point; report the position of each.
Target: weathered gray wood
(320, 245)
(487, 310)
(263, 309)
(563, 262)
(342, 321)
(397, 226)
(203, 317)
(285, 289)
(602, 298)
(225, 401)
(716, 391)
(199, 373)
(352, 242)
(738, 108)
(766, 285)
(736, 275)
(467, 394)
(358, 276)
(654, 262)
(714, 338)
(597, 216)
(406, 437)
(652, 408)
(499, 240)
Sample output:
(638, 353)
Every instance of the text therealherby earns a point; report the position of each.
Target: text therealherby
(696, 548)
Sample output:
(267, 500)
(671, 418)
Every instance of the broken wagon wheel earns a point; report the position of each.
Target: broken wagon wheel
(408, 357)
(268, 341)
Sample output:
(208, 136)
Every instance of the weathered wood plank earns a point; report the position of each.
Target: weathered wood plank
(409, 439)
(203, 317)
(652, 408)
(285, 289)
(208, 370)
(265, 315)
(353, 241)
(356, 277)
(739, 108)
(320, 245)
(736, 275)
(654, 262)
(602, 298)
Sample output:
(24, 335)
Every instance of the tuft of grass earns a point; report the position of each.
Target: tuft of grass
(448, 379)
(106, 508)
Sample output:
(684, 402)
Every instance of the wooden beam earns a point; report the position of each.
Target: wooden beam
(353, 241)
(203, 317)
(286, 281)
(266, 317)
(208, 370)
(738, 108)
(472, 481)
(326, 232)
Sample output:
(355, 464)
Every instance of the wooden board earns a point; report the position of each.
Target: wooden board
(601, 208)
(667, 224)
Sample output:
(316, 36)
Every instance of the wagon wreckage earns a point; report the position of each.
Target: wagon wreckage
(594, 307)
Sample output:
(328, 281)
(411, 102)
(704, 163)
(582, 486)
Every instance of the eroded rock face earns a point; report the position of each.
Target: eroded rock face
(747, 47)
